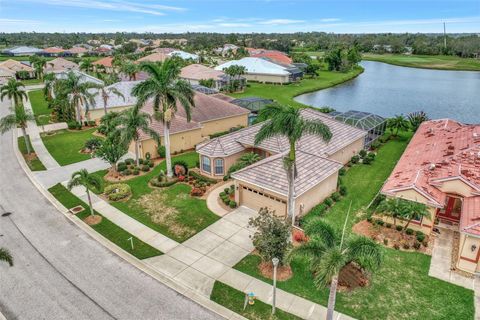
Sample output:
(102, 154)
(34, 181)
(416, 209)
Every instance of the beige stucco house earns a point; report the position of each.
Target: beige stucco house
(441, 169)
(264, 184)
(60, 65)
(17, 66)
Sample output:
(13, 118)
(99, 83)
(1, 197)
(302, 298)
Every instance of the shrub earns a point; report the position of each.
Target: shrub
(342, 172)
(396, 246)
(362, 153)
(92, 143)
(328, 202)
(385, 241)
(181, 178)
(196, 192)
(91, 123)
(199, 177)
(319, 209)
(127, 172)
(370, 219)
(136, 172)
(406, 246)
(380, 222)
(140, 161)
(222, 194)
(232, 204)
(355, 159)
(371, 155)
(162, 184)
(162, 152)
(226, 190)
(367, 160)
(73, 125)
(417, 245)
(409, 231)
(336, 196)
(375, 145)
(399, 228)
(226, 177)
(420, 237)
(145, 168)
(117, 191)
(388, 225)
(150, 164)
(129, 161)
(343, 190)
(425, 243)
(121, 166)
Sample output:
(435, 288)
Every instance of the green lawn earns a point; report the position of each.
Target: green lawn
(427, 62)
(40, 107)
(65, 145)
(284, 94)
(106, 228)
(233, 299)
(401, 289)
(30, 82)
(33, 163)
(192, 214)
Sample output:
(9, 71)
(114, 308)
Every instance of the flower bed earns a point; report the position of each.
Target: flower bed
(200, 184)
(227, 197)
(118, 191)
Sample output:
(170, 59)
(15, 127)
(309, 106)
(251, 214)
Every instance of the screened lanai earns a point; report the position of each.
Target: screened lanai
(374, 124)
(254, 104)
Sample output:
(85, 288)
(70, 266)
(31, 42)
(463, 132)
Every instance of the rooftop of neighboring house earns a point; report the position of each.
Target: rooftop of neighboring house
(77, 50)
(53, 50)
(22, 49)
(207, 108)
(441, 150)
(183, 54)
(199, 72)
(114, 101)
(59, 65)
(275, 56)
(106, 62)
(84, 77)
(270, 173)
(257, 65)
(153, 57)
(6, 73)
(238, 141)
(14, 65)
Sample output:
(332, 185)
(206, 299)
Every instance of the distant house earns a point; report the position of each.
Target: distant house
(17, 66)
(104, 64)
(226, 49)
(195, 72)
(77, 51)
(53, 52)
(184, 55)
(154, 57)
(22, 51)
(5, 75)
(60, 65)
(274, 56)
(84, 77)
(262, 70)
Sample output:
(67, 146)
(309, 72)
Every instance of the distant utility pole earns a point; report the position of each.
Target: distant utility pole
(444, 36)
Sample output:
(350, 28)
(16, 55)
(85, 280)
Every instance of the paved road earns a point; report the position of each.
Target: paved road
(60, 272)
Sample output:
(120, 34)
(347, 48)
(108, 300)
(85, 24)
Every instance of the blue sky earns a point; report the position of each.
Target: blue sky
(175, 16)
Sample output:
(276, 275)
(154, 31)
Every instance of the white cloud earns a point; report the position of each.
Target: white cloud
(280, 21)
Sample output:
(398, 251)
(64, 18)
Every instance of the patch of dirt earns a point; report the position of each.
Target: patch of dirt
(391, 238)
(93, 220)
(352, 276)
(30, 157)
(283, 272)
(154, 204)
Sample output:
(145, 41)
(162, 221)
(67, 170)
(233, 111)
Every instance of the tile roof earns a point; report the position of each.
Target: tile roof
(198, 72)
(439, 150)
(154, 57)
(342, 135)
(470, 218)
(270, 174)
(53, 50)
(276, 56)
(4, 72)
(106, 62)
(257, 65)
(15, 66)
(114, 101)
(76, 50)
(178, 124)
(22, 50)
(60, 64)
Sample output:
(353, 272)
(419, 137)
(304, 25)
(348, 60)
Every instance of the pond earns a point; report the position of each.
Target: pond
(389, 90)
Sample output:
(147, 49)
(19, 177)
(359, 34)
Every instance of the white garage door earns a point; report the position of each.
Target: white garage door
(255, 200)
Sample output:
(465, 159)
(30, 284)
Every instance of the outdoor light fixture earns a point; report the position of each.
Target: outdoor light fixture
(275, 262)
(473, 247)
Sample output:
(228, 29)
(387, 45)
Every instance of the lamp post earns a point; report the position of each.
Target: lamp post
(275, 262)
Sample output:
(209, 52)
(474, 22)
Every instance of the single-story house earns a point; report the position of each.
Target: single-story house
(5, 75)
(84, 77)
(274, 56)
(53, 52)
(104, 64)
(22, 51)
(154, 57)
(77, 51)
(17, 66)
(262, 70)
(195, 72)
(210, 115)
(441, 169)
(60, 65)
(264, 184)
(184, 55)
(165, 53)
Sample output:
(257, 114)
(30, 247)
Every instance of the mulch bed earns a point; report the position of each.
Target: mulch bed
(352, 276)
(93, 220)
(394, 239)
(283, 272)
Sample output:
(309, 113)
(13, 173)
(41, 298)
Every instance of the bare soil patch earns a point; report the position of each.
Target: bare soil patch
(93, 220)
(352, 276)
(283, 272)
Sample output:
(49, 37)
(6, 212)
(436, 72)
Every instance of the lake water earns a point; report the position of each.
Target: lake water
(388, 90)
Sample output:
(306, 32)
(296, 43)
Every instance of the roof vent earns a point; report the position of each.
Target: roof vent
(432, 166)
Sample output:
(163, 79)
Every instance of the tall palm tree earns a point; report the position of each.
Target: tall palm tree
(106, 93)
(6, 256)
(130, 123)
(13, 91)
(165, 90)
(39, 64)
(329, 252)
(83, 178)
(78, 93)
(287, 121)
(18, 118)
(86, 65)
(49, 81)
(130, 69)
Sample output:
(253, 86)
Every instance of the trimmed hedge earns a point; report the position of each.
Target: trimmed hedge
(117, 191)
(201, 178)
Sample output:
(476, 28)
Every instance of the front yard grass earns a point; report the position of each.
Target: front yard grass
(170, 211)
(106, 228)
(40, 107)
(31, 159)
(65, 145)
(284, 94)
(233, 299)
(401, 289)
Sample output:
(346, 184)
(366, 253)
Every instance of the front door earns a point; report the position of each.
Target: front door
(452, 210)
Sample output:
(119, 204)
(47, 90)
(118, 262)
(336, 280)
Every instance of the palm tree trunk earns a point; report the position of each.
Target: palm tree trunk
(105, 106)
(27, 141)
(90, 202)
(332, 297)
(291, 191)
(408, 222)
(166, 137)
(79, 115)
(137, 151)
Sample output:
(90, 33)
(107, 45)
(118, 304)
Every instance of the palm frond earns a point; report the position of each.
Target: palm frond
(366, 252)
(322, 231)
(6, 256)
(328, 267)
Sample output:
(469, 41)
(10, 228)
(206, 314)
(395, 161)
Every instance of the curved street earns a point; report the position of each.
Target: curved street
(60, 272)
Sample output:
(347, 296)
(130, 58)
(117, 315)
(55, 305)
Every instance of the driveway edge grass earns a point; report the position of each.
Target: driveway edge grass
(34, 164)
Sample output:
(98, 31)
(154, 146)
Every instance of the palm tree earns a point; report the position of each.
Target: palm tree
(165, 90)
(39, 64)
(49, 80)
(106, 93)
(86, 65)
(78, 93)
(130, 69)
(130, 123)
(329, 252)
(83, 178)
(416, 118)
(6, 256)
(397, 123)
(13, 91)
(414, 210)
(18, 118)
(287, 121)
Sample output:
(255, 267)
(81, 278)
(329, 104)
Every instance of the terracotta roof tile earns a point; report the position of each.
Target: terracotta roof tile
(60, 65)
(106, 62)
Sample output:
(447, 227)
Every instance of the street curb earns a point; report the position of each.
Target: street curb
(180, 288)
